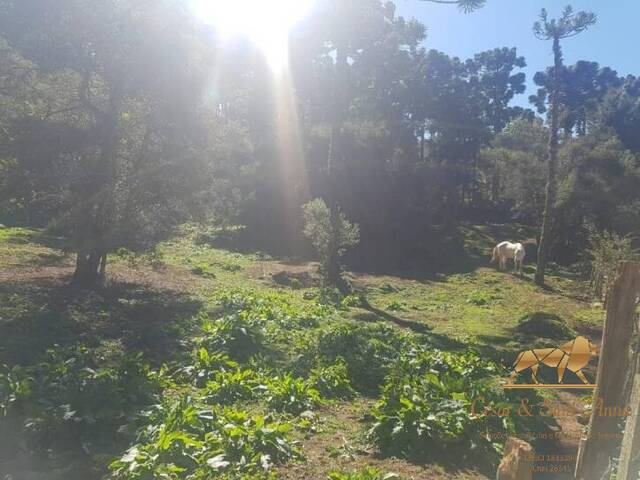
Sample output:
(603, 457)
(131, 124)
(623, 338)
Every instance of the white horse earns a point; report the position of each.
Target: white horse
(506, 250)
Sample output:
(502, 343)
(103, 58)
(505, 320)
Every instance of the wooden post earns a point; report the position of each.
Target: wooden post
(629, 464)
(598, 448)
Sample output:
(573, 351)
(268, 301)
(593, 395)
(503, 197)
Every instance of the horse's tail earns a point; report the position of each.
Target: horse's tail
(494, 255)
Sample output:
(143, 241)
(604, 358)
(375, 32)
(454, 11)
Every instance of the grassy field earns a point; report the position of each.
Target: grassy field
(301, 380)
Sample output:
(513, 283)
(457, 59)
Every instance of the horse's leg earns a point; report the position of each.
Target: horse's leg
(534, 373)
(562, 366)
(581, 376)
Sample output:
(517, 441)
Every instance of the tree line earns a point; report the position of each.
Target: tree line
(122, 119)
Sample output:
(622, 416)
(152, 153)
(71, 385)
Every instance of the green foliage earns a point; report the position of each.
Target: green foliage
(606, 250)
(15, 388)
(75, 397)
(204, 270)
(397, 306)
(545, 325)
(366, 473)
(184, 439)
(238, 335)
(480, 298)
(227, 387)
(332, 381)
(368, 350)
(291, 395)
(331, 233)
(272, 308)
(427, 403)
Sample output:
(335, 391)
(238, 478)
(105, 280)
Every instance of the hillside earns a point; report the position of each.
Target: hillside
(303, 382)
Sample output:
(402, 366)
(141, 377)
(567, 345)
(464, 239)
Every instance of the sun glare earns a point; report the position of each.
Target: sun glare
(266, 23)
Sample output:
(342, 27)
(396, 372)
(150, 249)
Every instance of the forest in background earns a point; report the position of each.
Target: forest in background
(123, 120)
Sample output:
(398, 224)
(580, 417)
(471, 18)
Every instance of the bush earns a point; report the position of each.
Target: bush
(606, 250)
(333, 381)
(291, 395)
(545, 325)
(239, 336)
(187, 440)
(427, 402)
(203, 270)
(331, 234)
(228, 387)
(272, 308)
(75, 399)
(369, 351)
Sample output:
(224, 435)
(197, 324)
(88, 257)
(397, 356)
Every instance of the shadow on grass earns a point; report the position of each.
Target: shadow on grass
(39, 314)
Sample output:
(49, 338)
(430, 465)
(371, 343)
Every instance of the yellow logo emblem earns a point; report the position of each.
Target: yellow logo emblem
(573, 355)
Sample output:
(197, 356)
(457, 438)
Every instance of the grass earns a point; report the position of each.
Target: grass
(155, 306)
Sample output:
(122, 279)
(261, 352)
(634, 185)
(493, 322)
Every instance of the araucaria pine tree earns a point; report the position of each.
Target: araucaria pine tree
(568, 25)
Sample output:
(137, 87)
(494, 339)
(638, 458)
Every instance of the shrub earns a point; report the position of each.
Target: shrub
(272, 308)
(75, 399)
(331, 234)
(186, 440)
(228, 387)
(605, 251)
(291, 395)
(369, 350)
(203, 270)
(546, 325)
(205, 366)
(333, 381)
(427, 402)
(239, 336)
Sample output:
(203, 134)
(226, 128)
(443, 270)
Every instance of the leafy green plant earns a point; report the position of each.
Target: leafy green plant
(185, 440)
(366, 473)
(291, 395)
(428, 400)
(15, 387)
(228, 387)
(203, 270)
(332, 381)
(369, 351)
(397, 306)
(76, 399)
(238, 335)
(272, 308)
(480, 298)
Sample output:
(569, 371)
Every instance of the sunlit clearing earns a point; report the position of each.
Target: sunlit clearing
(267, 23)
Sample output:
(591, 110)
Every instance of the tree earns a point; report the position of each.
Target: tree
(331, 234)
(568, 25)
(583, 88)
(620, 110)
(117, 120)
(464, 5)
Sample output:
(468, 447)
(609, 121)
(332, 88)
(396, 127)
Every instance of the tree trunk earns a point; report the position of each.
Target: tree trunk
(551, 188)
(597, 450)
(422, 140)
(332, 268)
(90, 268)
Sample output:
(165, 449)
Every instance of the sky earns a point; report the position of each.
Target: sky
(612, 42)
